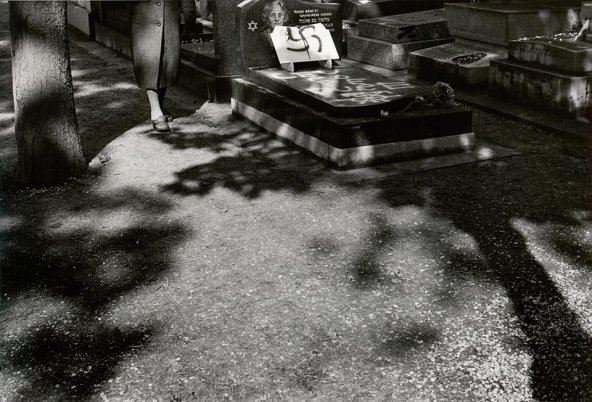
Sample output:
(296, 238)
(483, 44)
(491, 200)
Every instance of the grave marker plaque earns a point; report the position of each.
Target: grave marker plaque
(257, 18)
(307, 43)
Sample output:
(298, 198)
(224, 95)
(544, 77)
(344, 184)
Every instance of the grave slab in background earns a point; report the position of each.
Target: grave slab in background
(557, 53)
(344, 91)
(394, 56)
(568, 95)
(410, 27)
(465, 65)
(500, 22)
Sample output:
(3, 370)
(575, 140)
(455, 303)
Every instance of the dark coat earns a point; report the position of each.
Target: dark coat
(156, 43)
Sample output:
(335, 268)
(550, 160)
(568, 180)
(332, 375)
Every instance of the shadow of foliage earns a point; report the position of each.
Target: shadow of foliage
(247, 161)
(400, 341)
(485, 209)
(66, 261)
(365, 267)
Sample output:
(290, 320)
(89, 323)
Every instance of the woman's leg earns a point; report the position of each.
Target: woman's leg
(155, 109)
(161, 94)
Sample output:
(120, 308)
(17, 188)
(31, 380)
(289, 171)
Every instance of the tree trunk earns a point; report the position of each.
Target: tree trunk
(49, 147)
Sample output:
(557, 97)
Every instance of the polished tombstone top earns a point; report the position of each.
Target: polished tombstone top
(421, 25)
(344, 91)
(416, 18)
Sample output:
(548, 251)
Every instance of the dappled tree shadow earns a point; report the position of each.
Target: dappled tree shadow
(402, 340)
(247, 161)
(575, 248)
(75, 361)
(365, 267)
(63, 263)
(560, 348)
(64, 259)
(484, 207)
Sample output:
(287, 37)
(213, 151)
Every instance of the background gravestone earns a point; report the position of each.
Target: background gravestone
(256, 48)
(226, 40)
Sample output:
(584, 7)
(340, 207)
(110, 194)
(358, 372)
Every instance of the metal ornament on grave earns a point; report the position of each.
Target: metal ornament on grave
(257, 18)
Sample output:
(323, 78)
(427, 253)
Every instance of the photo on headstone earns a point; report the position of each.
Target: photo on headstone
(258, 18)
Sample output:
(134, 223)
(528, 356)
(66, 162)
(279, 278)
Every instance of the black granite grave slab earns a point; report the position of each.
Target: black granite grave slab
(409, 27)
(351, 142)
(256, 48)
(344, 91)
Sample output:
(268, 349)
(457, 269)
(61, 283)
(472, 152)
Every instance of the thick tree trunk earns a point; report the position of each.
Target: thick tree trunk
(49, 148)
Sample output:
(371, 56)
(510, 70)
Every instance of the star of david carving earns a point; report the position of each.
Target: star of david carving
(252, 26)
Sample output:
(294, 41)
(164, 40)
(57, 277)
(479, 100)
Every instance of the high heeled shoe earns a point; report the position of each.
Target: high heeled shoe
(160, 124)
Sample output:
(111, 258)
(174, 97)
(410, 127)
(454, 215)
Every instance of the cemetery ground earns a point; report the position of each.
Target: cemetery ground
(218, 263)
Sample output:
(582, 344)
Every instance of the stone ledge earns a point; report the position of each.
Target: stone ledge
(410, 27)
(393, 56)
(561, 55)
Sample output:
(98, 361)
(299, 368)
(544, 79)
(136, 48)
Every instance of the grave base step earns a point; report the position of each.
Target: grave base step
(567, 95)
(559, 53)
